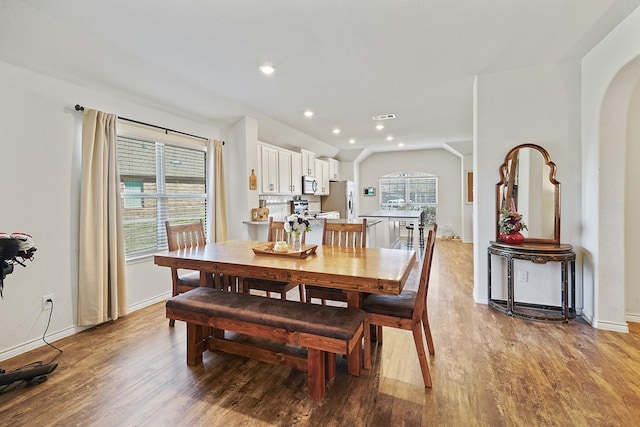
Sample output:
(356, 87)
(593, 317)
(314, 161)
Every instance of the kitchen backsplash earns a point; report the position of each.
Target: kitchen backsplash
(280, 206)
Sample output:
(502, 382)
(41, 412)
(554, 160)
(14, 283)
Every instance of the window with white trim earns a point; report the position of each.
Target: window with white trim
(410, 191)
(158, 182)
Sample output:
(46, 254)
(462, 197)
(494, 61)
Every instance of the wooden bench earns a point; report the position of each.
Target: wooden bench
(324, 331)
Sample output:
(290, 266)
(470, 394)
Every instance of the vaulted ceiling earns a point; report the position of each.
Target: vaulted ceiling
(344, 60)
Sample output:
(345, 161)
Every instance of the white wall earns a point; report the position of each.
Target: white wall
(632, 211)
(241, 156)
(39, 189)
(442, 163)
(610, 74)
(540, 105)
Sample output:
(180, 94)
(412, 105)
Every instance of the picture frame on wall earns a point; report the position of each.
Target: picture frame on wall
(469, 187)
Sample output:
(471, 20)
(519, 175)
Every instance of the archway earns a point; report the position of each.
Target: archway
(615, 226)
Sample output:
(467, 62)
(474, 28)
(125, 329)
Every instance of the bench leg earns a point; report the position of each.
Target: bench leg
(315, 373)
(195, 344)
(330, 366)
(354, 360)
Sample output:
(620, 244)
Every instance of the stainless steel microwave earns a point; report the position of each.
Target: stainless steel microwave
(309, 185)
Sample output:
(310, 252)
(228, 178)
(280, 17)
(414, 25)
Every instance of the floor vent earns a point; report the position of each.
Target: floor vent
(384, 117)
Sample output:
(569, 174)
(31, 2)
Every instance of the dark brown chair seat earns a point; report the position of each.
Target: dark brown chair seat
(391, 305)
(190, 280)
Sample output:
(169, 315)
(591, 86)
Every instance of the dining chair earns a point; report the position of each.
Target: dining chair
(406, 311)
(276, 232)
(184, 236)
(338, 234)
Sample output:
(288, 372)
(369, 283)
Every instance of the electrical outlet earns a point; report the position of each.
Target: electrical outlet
(523, 276)
(47, 302)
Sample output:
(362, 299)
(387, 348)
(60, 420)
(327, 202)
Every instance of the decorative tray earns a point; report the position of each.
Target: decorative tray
(267, 249)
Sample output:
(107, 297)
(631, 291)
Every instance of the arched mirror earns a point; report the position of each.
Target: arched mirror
(528, 186)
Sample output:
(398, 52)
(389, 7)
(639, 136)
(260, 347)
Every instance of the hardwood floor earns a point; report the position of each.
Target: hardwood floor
(488, 370)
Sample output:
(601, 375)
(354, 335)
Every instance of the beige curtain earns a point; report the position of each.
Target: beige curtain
(102, 291)
(219, 203)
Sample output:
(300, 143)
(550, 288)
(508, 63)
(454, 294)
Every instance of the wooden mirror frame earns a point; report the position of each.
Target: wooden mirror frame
(507, 175)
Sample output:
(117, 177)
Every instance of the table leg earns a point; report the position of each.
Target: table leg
(354, 360)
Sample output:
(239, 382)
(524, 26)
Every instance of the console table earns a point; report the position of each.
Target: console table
(539, 253)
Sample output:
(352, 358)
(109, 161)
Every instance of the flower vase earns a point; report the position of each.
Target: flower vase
(296, 243)
(514, 238)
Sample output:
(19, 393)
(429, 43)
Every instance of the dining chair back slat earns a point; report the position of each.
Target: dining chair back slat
(351, 235)
(185, 236)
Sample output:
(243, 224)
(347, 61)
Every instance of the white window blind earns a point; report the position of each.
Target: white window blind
(158, 182)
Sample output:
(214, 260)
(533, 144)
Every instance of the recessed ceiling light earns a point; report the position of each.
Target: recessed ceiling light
(390, 138)
(379, 127)
(401, 144)
(308, 113)
(336, 131)
(267, 69)
(352, 141)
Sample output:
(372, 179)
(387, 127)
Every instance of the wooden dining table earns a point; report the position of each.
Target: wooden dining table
(355, 270)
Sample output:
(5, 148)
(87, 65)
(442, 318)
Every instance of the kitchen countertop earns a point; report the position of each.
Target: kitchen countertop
(370, 222)
(393, 214)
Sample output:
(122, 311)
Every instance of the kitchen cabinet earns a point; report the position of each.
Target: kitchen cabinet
(322, 176)
(334, 172)
(289, 172)
(268, 170)
(308, 162)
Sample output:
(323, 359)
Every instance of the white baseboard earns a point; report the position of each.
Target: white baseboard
(37, 342)
(632, 317)
(483, 300)
(610, 326)
(149, 301)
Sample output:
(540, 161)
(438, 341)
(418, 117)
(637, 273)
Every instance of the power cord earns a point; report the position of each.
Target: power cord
(13, 386)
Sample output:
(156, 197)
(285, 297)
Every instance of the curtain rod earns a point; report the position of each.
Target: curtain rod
(79, 107)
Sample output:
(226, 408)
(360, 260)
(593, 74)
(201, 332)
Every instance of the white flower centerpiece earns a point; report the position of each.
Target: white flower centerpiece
(297, 224)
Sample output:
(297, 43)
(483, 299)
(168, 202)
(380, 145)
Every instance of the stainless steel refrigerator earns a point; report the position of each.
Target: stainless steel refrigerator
(341, 198)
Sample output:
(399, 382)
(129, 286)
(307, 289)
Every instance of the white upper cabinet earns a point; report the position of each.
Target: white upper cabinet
(322, 176)
(334, 170)
(308, 162)
(279, 170)
(268, 175)
(290, 176)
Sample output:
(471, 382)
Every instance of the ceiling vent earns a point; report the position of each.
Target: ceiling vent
(384, 117)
